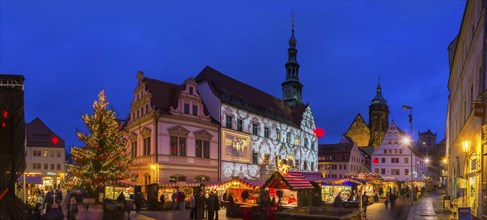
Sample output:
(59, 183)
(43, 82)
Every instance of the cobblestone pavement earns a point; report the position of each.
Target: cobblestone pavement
(378, 211)
(430, 207)
(96, 212)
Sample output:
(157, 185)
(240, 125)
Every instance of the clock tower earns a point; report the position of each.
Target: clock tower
(378, 118)
(291, 87)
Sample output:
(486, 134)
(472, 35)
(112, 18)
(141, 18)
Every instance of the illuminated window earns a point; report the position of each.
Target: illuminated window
(201, 179)
(178, 145)
(406, 160)
(297, 141)
(46, 154)
(406, 171)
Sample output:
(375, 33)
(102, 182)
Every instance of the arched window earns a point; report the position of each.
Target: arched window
(201, 179)
(177, 178)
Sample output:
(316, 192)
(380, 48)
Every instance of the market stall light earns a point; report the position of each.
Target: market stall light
(427, 160)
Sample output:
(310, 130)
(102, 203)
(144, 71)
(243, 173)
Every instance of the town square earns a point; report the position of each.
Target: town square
(253, 110)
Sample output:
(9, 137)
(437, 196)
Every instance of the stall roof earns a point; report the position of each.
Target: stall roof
(30, 179)
(341, 181)
(248, 182)
(311, 176)
(292, 180)
(180, 184)
(124, 183)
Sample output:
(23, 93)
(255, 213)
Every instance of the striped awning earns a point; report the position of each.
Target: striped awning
(292, 180)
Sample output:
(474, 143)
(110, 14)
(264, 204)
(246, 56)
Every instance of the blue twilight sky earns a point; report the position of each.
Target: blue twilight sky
(69, 51)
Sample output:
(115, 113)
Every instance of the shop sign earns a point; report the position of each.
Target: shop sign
(464, 213)
(479, 109)
(51, 173)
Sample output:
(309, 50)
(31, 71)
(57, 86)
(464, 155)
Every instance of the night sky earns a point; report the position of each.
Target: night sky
(69, 51)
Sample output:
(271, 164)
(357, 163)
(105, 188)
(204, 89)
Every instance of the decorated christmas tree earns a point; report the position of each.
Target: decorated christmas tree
(104, 157)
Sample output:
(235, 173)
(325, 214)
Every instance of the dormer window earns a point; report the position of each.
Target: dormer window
(191, 90)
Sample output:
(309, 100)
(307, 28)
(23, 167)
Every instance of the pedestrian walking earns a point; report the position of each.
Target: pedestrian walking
(161, 199)
(365, 202)
(217, 206)
(200, 206)
(386, 202)
(137, 201)
(182, 203)
(174, 198)
(73, 209)
(393, 200)
(211, 207)
(192, 205)
(338, 203)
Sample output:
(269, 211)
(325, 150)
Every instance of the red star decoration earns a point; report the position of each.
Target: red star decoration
(5, 114)
(319, 132)
(54, 140)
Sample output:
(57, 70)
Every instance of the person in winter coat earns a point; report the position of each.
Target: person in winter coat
(338, 203)
(173, 198)
(161, 199)
(73, 208)
(217, 205)
(138, 202)
(192, 205)
(211, 207)
(200, 206)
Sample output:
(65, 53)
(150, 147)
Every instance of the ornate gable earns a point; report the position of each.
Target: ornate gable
(189, 102)
(203, 134)
(178, 130)
(359, 132)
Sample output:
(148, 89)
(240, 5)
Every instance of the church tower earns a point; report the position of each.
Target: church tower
(378, 118)
(291, 87)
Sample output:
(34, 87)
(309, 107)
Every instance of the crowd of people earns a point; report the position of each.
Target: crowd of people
(50, 205)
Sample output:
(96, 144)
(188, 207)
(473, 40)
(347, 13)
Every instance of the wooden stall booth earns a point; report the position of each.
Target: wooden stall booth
(168, 189)
(114, 188)
(293, 188)
(236, 193)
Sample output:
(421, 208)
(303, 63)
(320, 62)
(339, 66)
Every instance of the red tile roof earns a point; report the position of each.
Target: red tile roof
(340, 152)
(241, 95)
(164, 95)
(39, 135)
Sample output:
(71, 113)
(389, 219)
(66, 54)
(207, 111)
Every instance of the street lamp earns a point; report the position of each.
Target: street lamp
(407, 141)
(407, 107)
(466, 149)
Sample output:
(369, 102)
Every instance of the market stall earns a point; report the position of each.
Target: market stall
(371, 182)
(168, 189)
(114, 188)
(293, 188)
(237, 193)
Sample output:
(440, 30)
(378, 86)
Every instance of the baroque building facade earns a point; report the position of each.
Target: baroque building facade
(171, 136)
(465, 122)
